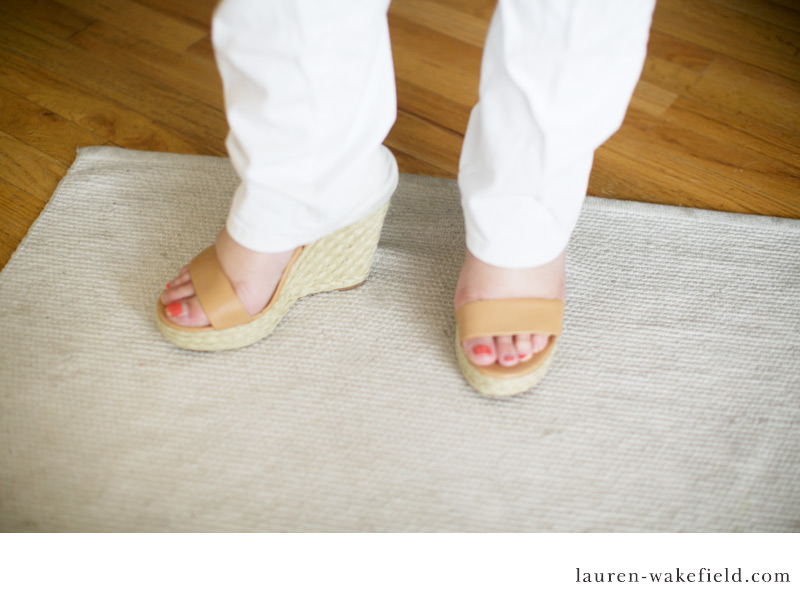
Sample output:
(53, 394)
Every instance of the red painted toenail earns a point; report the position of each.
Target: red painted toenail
(481, 349)
(168, 286)
(175, 309)
(509, 358)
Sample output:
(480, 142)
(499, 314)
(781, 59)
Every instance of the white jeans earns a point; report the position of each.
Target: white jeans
(310, 97)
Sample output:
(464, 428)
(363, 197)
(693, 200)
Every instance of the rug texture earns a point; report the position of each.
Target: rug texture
(673, 404)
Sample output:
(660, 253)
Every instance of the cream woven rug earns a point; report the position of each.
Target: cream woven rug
(673, 405)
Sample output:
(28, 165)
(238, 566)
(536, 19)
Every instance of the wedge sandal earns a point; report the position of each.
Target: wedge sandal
(339, 261)
(504, 317)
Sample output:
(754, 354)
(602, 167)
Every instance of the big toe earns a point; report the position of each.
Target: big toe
(480, 351)
(187, 312)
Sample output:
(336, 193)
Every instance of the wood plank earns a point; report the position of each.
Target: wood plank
(669, 76)
(450, 20)
(750, 93)
(142, 21)
(689, 56)
(452, 73)
(197, 78)
(651, 98)
(19, 211)
(194, 11)
(409, 164)
(731, 33)
(203, 49)
(91, 111)
(635, 171)
(784, 16)
(48, 16)
(730, 129)
(482, 9)
(790, 4)
(689, 146)
(673, 64)
(426, 141)
(426, 104)
(8, 245)
(41, 128)
(137, 92)
(29, 169)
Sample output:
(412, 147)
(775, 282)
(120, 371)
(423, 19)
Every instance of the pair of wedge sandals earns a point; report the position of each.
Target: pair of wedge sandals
(341, 261)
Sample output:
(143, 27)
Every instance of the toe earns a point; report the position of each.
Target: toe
(177, 293)
(181, 279)
(540, 342)
(196, 316)
(176, 310)
(187, 312)
(506, 353)
(524, 346)
(480, 351)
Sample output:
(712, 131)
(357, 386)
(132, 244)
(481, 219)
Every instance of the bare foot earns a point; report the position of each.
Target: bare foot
(481, 281)
(254, 276)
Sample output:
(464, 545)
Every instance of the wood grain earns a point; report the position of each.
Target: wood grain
(142, 21)
(183, 72)
(94, 112)
(42, 129)
(147, 95)
(27, 168)
(714, 122)
(732, 33)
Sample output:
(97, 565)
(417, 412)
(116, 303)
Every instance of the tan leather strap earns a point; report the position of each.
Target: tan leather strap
(215, 292)
(505, 317)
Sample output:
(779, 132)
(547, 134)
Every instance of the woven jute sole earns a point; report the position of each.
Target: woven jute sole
(339, 261)
(496, 387)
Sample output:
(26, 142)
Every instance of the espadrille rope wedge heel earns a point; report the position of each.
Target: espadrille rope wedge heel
(339, 261)
(504, 317)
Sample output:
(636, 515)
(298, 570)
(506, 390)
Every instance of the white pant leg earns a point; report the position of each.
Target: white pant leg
(556, 79)
(310, 96)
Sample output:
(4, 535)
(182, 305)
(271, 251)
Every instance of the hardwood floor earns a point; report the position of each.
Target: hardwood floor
(713, 123)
